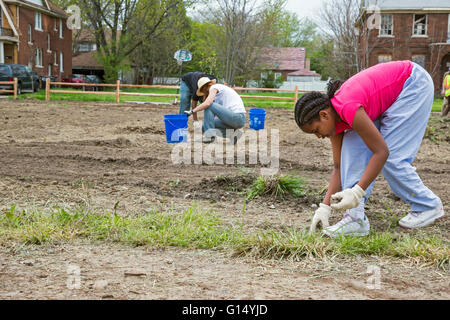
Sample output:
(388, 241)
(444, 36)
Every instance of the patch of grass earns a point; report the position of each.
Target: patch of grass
(437, 105)
(296, 245)
(277, 187)
(195, 228)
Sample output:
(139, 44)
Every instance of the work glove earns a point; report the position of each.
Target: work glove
(347, 199)
(321, 215)
(189, 113)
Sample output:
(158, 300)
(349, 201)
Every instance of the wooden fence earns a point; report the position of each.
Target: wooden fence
(117, 92)
(14, 89)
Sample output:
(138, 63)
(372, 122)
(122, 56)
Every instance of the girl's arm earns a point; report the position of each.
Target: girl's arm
(366, 129)
(335, 181)
(205, 104)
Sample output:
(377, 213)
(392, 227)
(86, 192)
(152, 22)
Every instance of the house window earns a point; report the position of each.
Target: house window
(48, 42)
(61, 60)
(38, 21)
(448, 30)
(384, 58)
(84, 47)
(49, 70)
(55, 24)
(55, 58)
(29, 34)
(38, 57)
(387, 25)
(420, 25)
(60, 28)
(419, 59)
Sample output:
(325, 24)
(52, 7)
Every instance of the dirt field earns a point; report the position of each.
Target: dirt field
(67, 154)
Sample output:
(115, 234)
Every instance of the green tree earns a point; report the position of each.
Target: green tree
(202, 46)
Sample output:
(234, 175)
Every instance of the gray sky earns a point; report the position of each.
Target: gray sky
(304, 8)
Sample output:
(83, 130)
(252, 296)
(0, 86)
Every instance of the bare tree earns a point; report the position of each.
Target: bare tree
(239, 36)
(338, 18)
(121, 26)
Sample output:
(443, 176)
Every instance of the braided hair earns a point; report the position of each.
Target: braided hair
(309, 105)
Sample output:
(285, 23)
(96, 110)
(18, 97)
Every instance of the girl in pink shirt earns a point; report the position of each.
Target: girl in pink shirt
(375, 121)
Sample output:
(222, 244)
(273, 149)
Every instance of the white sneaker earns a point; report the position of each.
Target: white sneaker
(418, 219)
(348, 226)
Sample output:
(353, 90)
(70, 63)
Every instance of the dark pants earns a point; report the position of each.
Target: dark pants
(445, 106)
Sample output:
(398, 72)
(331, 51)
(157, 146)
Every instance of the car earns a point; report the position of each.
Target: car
(92, 78)
(44, 80)
(36, 79)
(76, 78)
(10, 71)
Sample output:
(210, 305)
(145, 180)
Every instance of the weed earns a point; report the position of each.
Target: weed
(276, 187)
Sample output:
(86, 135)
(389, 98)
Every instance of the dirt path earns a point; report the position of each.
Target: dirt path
(67, 154)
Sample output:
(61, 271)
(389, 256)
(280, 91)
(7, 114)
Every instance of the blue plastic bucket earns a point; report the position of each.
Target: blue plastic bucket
(176, 127)
(257, 119)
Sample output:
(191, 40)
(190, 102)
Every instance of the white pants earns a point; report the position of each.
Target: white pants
(402, 126)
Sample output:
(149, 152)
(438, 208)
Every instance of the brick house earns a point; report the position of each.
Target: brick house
(406, 30)
(290, 63)
(84, 53)
(35, 33)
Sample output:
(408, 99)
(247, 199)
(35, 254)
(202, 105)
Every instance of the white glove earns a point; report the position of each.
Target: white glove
(322, 214)
(347, 199)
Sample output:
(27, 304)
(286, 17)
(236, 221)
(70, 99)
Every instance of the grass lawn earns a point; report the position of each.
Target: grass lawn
(248, 102)
(197, 228)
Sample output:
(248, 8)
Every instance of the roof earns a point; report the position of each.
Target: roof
(88, 35)
(86, 60)
(45, 5)
(283, 59)
(408, 4)
(304, 72)
(286, 59)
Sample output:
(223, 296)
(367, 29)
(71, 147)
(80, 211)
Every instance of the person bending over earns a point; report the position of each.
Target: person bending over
(223, 108)
(375, 121)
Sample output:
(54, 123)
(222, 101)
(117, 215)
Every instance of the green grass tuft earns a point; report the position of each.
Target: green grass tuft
(277, 187)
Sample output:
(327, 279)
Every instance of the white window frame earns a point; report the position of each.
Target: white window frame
(38, 21)
(381, 31)
(55, 24)
(426, 26)
(61, 28)
(55, 58)
(448, 29)
(39, 58)
(61, 62)
(30, 34)
(49, 69)
(49, 43)
(84, 47)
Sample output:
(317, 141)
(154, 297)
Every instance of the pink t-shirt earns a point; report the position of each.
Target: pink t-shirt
(375, 89)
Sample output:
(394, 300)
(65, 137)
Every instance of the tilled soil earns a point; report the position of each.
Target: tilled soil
(116, 156)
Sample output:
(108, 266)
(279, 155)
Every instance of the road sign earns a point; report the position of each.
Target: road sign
(183, 55)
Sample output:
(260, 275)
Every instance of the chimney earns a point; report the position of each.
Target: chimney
(307, 64)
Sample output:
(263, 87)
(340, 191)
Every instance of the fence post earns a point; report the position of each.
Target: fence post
(296, 95)
(47, 89)
(15, 88)
(118, 92)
